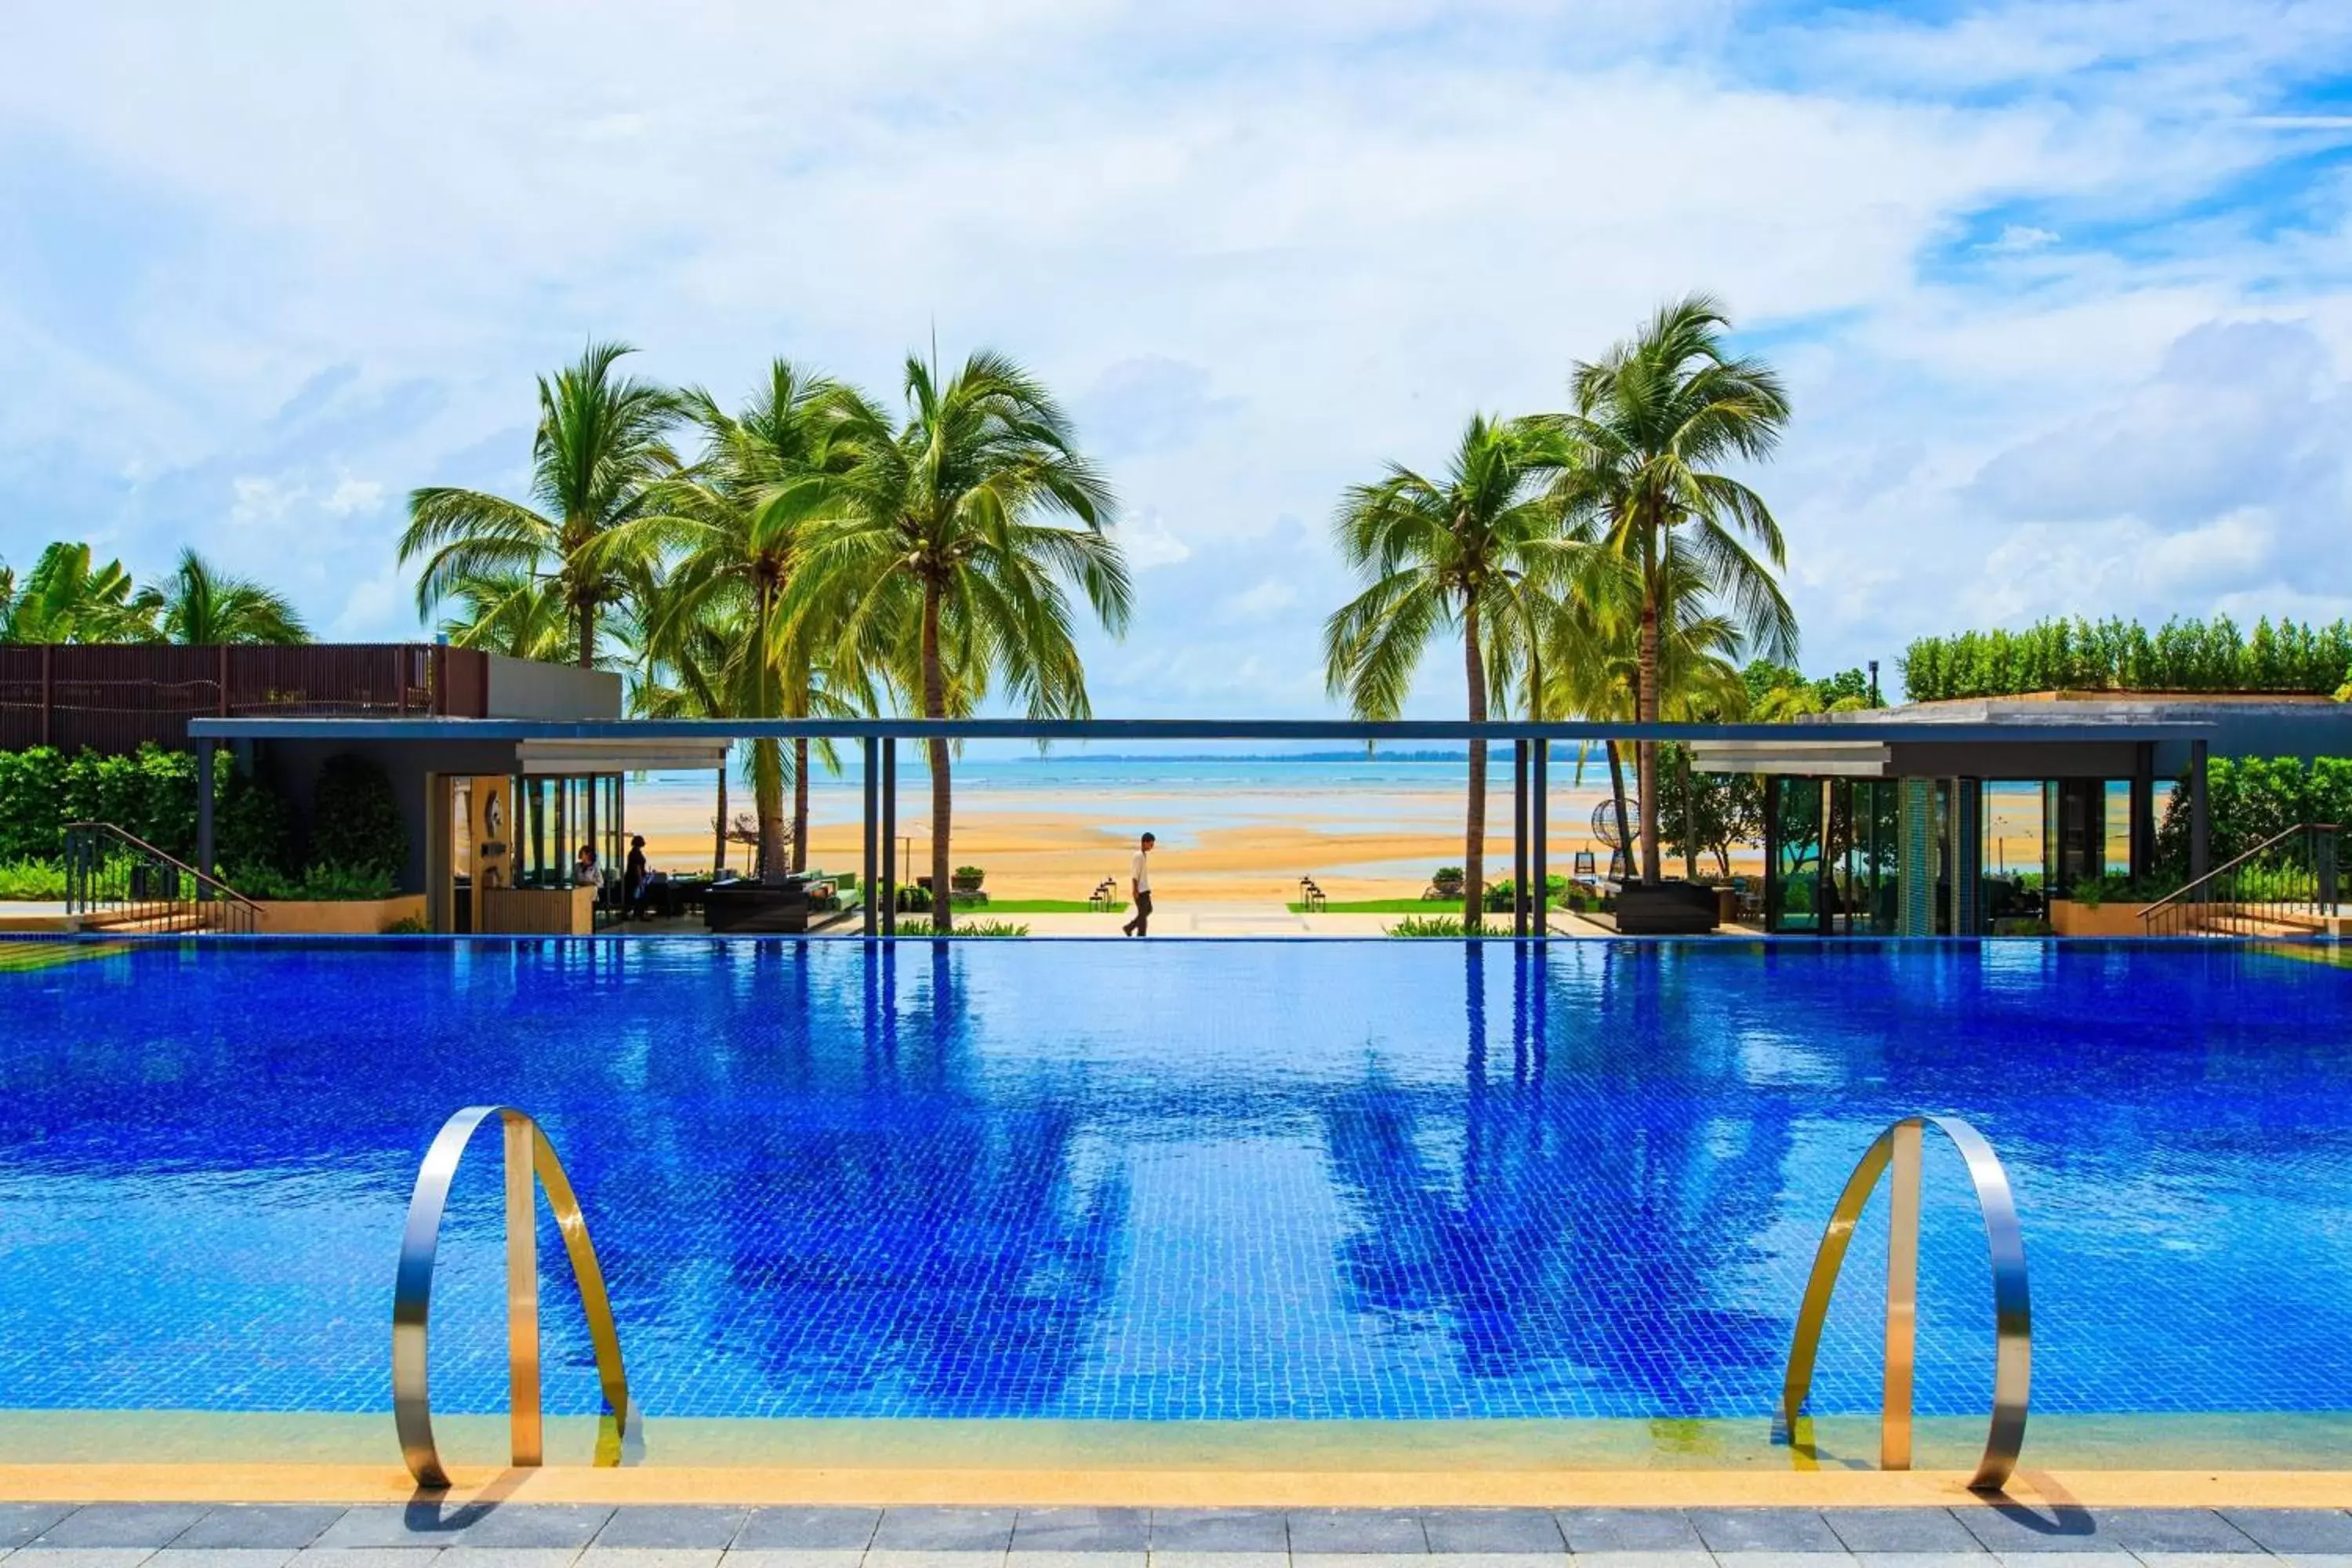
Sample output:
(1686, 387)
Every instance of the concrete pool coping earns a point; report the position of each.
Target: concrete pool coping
(2055, 1492)
(2270, 1459)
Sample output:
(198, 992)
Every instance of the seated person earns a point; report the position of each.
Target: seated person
(585, 871)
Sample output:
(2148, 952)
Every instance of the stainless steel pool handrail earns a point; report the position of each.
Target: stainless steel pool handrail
(529, 1160)
(1899, 1146)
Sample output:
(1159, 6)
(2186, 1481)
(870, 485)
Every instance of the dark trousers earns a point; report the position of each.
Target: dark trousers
(1142, 924)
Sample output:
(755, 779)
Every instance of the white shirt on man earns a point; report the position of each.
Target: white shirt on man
(1140, 872)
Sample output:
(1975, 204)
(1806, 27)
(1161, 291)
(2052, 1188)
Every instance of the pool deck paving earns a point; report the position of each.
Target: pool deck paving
(576, 1535)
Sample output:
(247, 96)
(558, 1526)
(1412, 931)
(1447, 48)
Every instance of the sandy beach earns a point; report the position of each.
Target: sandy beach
(1235, 836)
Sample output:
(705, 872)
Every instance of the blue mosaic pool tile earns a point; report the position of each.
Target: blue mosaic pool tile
(1229, 1181)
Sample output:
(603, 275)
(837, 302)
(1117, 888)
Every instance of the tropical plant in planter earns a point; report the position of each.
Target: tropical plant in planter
(967, 878)
(1447, 882)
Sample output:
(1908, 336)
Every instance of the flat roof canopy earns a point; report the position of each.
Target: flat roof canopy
(718, 731)
(1814, 759)
(623, 755)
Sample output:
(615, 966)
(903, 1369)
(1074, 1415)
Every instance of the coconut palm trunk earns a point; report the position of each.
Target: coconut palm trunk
(1646, 711)
(1473, 831)
(935, 706)
(1617, 794)
(718, 828)
(768, 797)
(800, 803)
(1690, 814)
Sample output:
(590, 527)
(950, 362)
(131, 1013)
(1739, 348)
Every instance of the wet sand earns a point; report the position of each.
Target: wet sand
(1061, 844)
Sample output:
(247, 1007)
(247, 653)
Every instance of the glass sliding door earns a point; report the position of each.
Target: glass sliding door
(1792, 865)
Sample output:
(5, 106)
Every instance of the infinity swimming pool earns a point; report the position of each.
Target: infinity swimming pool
(1174, 1181)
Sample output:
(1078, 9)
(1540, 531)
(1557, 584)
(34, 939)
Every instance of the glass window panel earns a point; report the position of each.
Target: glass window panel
(2118, 838)
(1794, 894)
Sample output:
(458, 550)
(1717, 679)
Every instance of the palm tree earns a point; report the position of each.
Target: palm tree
(940, 560)
(731, 527)
(1594, 665)
(603, 445)
(1650, 421)
(689, 681)
(508, 611)
(67, 597)
(1479, 550)
(201, 606)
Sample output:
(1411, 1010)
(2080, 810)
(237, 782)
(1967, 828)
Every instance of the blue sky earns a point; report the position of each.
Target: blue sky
(2063, 291)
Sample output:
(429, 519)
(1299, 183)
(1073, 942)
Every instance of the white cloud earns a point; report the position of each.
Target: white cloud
(1259, 251)
(351, 495)
(1146, 542)
(1268, 597)
(2017, 238)
(260, 499)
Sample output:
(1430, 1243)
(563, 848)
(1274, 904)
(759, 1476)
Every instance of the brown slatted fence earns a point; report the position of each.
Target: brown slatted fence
(117, 698)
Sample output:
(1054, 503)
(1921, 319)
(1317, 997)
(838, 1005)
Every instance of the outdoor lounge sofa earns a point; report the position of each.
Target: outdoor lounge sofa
(775, 907)
(1665, 908)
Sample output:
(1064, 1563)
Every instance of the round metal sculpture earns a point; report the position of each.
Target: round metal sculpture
(1604, 821)
(529, 1160)
(1899, 1147)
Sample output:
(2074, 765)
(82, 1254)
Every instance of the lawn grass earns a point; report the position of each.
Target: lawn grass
(1044, 906)
(1451, 907)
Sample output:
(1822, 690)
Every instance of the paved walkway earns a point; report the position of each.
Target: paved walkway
(1254, 918)
(537, 1535)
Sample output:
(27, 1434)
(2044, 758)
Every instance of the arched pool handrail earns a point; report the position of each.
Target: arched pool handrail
(528, 1156)
(1899, 1146)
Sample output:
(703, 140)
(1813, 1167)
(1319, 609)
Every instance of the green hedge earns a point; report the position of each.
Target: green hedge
(356, 822)
(2249, 799)
(150, 795)
(2124, 656)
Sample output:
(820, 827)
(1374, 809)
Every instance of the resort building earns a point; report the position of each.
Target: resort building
(1962, 818)
(1897, 830)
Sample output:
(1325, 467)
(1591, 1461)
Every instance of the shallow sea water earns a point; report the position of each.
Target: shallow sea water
(1175, 1180)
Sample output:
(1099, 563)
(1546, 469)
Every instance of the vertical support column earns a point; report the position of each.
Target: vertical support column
(869, 873)
(49, 694)
(1915, 857)
(522, 1292)
(204, 814)
(1519, 837)
(2142, 809)
(2199, 822)
(890, 838)
(440, 869)
(1824, 841)
(1967, 856)
(1539, 822)
(1902, 1296)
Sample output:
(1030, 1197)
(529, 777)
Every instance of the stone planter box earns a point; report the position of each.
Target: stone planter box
(2110, 918)
(335, 917)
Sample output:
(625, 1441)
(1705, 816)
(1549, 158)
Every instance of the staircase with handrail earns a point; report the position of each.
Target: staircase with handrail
(2284, 886)
(117, 881)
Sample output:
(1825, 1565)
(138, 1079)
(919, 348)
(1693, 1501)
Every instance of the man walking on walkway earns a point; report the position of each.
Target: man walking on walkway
(1139, 885)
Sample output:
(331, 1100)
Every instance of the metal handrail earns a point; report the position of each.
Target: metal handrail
(528, 1156)
(90, 865)
(202, 879)
(1899, 1146)
(2179, 896)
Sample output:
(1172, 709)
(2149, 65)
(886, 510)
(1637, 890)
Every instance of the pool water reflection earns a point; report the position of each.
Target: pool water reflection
(1231, 1180)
